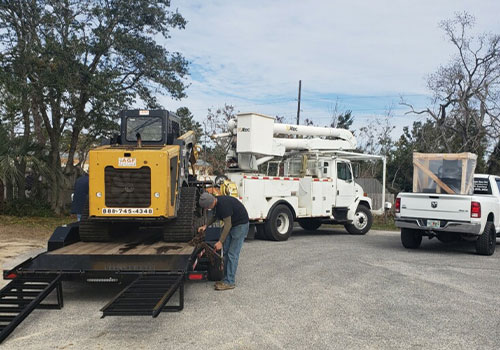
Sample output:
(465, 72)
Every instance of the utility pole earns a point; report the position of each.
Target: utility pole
(298, 105)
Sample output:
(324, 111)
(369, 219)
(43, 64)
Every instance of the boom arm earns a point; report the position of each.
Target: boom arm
(256, 140)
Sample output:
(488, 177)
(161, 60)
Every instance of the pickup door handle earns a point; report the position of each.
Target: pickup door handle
(338, 192)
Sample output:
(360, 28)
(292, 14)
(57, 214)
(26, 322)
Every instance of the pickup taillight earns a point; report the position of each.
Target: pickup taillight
(475, 209)
(397, 206)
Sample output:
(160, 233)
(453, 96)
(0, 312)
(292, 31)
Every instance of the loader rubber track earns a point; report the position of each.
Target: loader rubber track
(93, 231)
(184, 227)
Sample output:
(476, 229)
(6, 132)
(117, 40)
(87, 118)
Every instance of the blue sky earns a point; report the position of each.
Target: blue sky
(361, 55)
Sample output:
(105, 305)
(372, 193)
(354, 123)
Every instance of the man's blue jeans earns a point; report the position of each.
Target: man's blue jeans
(232, 248)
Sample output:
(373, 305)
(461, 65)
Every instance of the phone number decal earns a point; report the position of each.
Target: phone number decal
(146, 211)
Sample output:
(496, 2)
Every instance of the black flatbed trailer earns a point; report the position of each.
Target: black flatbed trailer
(152, 272)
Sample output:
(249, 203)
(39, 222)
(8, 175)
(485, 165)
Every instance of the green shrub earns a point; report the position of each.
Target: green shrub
(27, 207)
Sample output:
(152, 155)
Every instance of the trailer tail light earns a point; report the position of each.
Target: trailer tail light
(195, 276)
(11, 276)
(397, 206)
(475, 210)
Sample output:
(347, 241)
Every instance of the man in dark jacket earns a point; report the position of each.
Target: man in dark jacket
(80, 195)
(235, 217)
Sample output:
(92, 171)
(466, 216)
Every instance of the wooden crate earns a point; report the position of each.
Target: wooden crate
(451, 173)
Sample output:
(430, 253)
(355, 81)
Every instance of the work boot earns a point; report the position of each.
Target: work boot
(218, 283)
(224, 286)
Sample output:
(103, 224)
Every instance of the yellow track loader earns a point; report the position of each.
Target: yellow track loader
(142, 180)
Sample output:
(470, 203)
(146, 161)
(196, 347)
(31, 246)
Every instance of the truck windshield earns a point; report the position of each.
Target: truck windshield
(149, 128)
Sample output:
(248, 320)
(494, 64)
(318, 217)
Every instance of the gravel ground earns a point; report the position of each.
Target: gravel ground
(316, 291)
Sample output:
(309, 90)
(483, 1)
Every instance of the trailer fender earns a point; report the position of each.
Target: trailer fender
(63, 236)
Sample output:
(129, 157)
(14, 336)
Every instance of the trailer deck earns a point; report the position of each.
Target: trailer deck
(152, 271)
(121, 248)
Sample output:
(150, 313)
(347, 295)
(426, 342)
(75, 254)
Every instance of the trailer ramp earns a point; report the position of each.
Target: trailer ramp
(23, 295)
(147, 296)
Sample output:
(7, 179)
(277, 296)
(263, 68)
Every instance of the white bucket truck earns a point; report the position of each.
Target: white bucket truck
(309, 179)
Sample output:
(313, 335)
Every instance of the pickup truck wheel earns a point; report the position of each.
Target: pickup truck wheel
(411, 239)
(279, 224)
(310, 224)
(362, 222)
(486, 243)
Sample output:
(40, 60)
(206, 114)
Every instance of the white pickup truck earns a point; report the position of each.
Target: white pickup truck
(452, 217)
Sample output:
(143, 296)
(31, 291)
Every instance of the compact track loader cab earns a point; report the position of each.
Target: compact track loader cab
(142, 180)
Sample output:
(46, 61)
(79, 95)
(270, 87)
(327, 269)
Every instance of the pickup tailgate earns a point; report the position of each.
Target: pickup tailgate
(436, 206)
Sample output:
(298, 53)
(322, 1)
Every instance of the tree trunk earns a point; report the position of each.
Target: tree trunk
(2, 194)
(9, 188)
(56, 179)
(21, 182)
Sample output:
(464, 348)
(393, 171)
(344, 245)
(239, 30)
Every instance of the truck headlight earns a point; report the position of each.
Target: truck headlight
(98, 194)
(157, 194)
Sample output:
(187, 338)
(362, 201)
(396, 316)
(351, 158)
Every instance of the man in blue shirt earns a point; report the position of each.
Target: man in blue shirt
(235, 217)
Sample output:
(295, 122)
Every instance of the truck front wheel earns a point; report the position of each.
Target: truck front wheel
(411, 239)
(362, 222)
(279, 224)
(486, 243)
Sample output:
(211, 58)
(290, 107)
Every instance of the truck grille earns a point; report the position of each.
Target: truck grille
(128, 187)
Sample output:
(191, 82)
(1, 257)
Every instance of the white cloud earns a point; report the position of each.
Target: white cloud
(252, 53)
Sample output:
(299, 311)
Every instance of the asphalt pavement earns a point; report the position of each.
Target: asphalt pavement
(322, 290)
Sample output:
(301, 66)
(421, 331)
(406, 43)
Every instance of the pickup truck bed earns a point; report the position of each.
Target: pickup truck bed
(452, 217)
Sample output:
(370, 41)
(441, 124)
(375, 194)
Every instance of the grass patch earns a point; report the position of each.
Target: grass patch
(384, 223)
(27, 207)
(34, 221)
(379, 223)
(30, 228)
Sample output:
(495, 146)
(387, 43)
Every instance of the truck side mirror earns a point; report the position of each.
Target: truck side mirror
(355, 170)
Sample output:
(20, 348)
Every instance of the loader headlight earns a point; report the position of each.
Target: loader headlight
(157, 194)
(98, 194)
